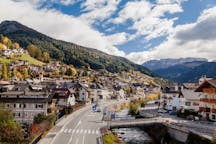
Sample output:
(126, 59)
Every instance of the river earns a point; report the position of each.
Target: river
(133, 136)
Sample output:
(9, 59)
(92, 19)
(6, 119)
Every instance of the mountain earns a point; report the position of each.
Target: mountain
(165, 63)
(183, 70)
(66, 52)
(208, 69)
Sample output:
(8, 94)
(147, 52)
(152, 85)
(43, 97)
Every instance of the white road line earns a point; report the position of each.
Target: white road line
(73, 131)
(97, 132)
(77, 131)
(77, 141)
(69, 130)
(65, 130)
(83, 140)
(62, 130)
(81, 131)
(89, 131)
(93, 131)
(85, 131)
(70, 140)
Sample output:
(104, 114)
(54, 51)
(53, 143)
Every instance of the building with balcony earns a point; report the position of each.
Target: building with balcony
(207, 106)
(25, 101)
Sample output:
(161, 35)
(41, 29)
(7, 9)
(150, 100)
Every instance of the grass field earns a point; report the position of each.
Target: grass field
(28, 58)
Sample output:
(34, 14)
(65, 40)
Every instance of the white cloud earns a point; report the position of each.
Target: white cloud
(148, 18)
(190, 40)
(98, 10)
(118, 38)
(57, 25)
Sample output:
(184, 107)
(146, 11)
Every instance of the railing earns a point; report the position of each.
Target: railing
(209, 100)
(213, 110)
(203, 109)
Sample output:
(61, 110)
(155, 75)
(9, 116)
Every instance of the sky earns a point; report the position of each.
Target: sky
(139, 30)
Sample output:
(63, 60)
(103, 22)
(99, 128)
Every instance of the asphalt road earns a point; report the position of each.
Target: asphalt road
(81, 127)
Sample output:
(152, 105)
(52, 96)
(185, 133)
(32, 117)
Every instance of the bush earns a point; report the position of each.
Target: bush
(39, 118)
(134, 109)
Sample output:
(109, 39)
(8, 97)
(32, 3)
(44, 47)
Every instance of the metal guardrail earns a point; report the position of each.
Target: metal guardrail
(36, 139)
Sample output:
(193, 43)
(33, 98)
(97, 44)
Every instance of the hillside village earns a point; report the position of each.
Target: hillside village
(39, 90)
(32, 89)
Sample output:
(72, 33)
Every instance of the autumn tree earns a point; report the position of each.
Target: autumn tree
(10, 131)
(34, 51)
(19, 75)
(4, 71)
(1, 46)
(25, 72)
(46, 57)
(71, 71)
(16, 45)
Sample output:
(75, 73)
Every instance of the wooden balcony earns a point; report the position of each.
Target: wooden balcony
(214, 111)
(208, 100)
(203, 109)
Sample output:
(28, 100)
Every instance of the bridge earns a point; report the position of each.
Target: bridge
(179, 131)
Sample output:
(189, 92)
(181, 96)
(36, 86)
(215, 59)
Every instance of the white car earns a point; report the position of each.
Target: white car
(162, 111)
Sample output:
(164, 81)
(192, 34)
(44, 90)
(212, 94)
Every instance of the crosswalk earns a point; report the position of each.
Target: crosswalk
(80, 131)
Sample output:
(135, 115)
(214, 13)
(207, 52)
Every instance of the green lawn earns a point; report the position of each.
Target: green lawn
(111, 139)
(28, 58)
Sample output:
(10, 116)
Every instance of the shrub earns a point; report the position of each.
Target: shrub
(134, 109)
(39, 118)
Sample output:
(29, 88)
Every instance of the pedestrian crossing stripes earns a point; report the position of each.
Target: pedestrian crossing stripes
(80, 131)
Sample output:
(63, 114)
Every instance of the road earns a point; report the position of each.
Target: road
(80, 127)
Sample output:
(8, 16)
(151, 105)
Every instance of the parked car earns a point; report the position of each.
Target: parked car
(162, 111)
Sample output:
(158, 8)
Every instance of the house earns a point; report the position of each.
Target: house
(191, 98)
(207, 106)
(169, 97)
(63, 97)
(25, 101)
(118, 92)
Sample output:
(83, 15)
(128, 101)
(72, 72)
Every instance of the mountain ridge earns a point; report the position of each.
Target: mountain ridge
(186, 70)
(67, 52)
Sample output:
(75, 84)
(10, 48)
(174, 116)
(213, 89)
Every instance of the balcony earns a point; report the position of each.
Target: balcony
(202, 109)
(214, 111)
(208, 100)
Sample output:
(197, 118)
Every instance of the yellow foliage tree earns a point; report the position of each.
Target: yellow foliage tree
(16, 45)
(5, 40)
(1, 46)
(19, 75)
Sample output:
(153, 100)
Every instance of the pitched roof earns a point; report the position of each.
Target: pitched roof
(190, 85)
(207, 83)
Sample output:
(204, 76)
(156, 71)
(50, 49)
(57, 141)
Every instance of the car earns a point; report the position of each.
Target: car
(98, 110)
(162, 111)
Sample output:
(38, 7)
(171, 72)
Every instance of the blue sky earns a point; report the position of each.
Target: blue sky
(139, 30)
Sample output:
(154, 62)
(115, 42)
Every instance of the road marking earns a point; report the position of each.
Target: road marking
(73, 131)
(70, 140)
(65, 130)
(89, 131)
(77, 141)
(77, 131)
(81, 131)
(93, 131)
(62, 130)
(83, 140)
(69, 130)
(85, 131)
(97, 132)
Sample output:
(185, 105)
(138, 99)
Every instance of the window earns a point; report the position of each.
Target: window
(24, 105)
(213, 117)
(36, 105)
(14, 105)
(8, 105)
(187, 103)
